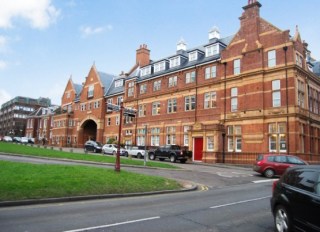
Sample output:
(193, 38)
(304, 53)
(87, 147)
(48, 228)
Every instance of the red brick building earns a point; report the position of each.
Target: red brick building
(227, 100)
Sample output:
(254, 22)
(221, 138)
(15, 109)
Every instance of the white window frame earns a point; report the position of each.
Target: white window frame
(156, 108)
(211, 72)
(118, 83)
(272, 59)
(190, 77)
(234, 99)
(212, 50)
(172, 106)
(276, 93)
(160, 66)
(236, 67)
(210, 100)
(174, 61)
(146, 71)
(190, 103)
(210, 143)
(157, 85)
(193, 56)
(173, 81)
(143, 88)
(90, 91)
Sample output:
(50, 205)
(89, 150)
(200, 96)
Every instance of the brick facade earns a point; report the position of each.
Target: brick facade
(252, 93)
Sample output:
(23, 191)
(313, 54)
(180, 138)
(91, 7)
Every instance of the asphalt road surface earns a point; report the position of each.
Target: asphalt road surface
(230, 199)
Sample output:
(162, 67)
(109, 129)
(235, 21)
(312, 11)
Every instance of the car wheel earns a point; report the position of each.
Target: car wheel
(85, 150)
(114, 153)
(152, 156)
(139, 156)
(282, 219)
(126, 154)
(94, 150)
(172, 159)
(269, 173)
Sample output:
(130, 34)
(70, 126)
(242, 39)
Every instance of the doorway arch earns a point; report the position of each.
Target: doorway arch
(89, 130)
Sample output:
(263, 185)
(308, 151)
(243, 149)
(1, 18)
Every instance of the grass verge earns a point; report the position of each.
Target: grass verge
(47, 152)
(21, 181)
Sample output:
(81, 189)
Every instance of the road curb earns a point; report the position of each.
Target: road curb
(187, 188)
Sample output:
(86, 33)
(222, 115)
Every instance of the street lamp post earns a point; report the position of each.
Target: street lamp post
(117, 164)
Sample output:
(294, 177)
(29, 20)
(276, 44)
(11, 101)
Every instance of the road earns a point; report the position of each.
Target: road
(232, 199)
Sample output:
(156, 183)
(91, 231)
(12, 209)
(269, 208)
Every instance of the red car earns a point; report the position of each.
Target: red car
(271, 165)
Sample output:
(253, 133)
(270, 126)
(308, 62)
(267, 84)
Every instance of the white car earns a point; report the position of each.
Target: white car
(24, 140)
(112, 149)
(136, 152)
(7, 139)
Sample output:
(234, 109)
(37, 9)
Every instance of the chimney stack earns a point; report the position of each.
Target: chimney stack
(143, 55)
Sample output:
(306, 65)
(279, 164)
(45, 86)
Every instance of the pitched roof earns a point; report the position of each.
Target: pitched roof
(316, 68)
(223, 42)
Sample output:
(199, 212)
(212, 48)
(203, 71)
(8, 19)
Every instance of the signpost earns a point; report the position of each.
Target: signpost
(126, 112)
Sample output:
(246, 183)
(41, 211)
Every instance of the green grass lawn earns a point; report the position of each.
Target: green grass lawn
(20, 181)
(47, 152)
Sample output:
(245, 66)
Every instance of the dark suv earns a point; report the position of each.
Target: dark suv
(172, 152)
(295, 201)
(271, 164)
(93, 146)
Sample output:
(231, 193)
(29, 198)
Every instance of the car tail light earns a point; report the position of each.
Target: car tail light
(274, 185)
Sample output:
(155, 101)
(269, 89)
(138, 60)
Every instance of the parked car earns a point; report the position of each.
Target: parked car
(7, 139)
(16, 139)
(94, 146)
(295, 202)
(31, 140)
(270, 165)
(172, 152)
(136, 151)
(113, 149)
(24, 140)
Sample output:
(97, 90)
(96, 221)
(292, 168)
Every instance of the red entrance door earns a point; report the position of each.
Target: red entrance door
(198, 149)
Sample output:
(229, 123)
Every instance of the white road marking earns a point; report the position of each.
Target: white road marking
(110, 225)
(264, 181)
(239, 202)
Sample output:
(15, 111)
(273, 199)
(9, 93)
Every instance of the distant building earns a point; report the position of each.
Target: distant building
(228, 100)
(13, 114)
(39, 123)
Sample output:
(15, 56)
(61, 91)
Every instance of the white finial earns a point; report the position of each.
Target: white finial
(214, 33)
(182, 45)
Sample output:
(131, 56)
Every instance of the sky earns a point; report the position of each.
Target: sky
(45, 42)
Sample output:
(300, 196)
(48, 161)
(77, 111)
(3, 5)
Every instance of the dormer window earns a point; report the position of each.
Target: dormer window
(212, 50)
(146, 71)
(160, 66)
(90, 91)
(118, 83)
(193, 56)
(175, 61)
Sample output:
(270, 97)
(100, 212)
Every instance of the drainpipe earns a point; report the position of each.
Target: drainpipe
(224, 112)
(287, 97)
(196, 106)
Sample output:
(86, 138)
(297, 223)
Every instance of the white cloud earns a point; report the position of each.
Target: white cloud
(88, 31)
(3, 65)
(4, 96)
(38, 13)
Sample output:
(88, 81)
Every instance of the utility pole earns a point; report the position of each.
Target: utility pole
(117, 164)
